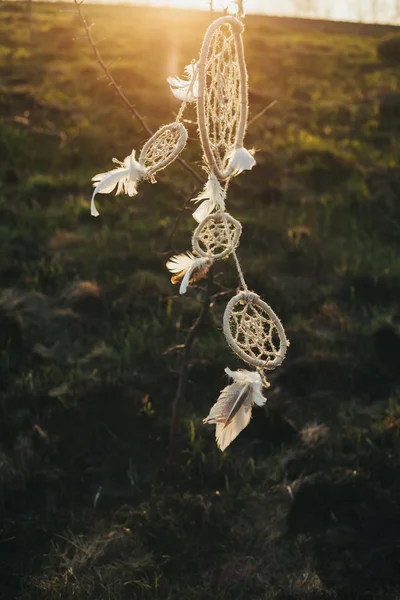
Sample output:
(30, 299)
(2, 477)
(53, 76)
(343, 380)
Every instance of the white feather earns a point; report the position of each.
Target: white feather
(186, 263)
(186, 90)
(180, 262)
(203, 211)
(240, 160)
(232, 411)
(224, 435)
(102, 176)
(183, 94)
(198, 262)
(106, 185)
(230, 398)
(185, 281)
(136, 169)
(213, 195)
(251, 378)
(124, 178)
(130, 187)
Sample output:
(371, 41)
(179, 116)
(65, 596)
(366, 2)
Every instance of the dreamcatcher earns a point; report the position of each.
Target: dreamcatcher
(217, 83)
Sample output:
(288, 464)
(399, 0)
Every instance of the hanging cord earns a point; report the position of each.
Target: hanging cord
(234, 254)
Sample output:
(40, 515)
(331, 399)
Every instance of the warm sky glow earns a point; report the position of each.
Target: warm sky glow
(346, 10)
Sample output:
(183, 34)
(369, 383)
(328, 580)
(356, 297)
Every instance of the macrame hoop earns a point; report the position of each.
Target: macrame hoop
(212, 234)
(249, 339)
(216, 110)
(163, 147)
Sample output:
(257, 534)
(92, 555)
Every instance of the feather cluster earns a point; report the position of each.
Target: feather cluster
(186, 90)
(125, 178)
(187, 268)
(213, 196)
(232, 411)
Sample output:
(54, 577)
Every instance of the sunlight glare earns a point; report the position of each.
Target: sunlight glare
(387, 11)
(218, 5)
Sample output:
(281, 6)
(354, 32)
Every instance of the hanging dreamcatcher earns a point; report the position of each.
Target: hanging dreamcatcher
(217, 83)
(251, 328)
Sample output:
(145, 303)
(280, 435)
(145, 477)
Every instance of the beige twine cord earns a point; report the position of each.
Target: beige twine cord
(235, 256)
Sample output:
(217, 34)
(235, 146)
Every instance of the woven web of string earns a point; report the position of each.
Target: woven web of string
(213, 236)
(162, 147)
(254, 332)
(222, 94)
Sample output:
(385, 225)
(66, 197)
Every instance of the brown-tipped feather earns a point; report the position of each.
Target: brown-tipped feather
(177, 278)
(231, 413)
(200, 272)
(197, 274)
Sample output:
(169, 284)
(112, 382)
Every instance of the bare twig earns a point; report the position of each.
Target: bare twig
(173, 349)
(262, 112)
(134, 112)
(184, 206)
(183, 375)
(30, 22)
(220, 294)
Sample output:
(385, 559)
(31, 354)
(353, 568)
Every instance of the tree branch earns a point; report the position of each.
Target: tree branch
(134, 112)
(183, 374)
(182, 209)
(262, 112)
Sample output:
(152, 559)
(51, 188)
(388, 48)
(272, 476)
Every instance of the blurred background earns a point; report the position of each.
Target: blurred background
(375, 11)
(305, 503)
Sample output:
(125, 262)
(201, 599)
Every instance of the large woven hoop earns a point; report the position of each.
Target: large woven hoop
(222, 106)
(254, 332)
(211, 238)
(163, 147)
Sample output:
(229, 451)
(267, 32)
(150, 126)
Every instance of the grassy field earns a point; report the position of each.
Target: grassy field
(305, 504)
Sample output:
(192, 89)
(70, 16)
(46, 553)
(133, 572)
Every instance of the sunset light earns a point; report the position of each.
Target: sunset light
(386, 11)
(218, 5)
(199, 299)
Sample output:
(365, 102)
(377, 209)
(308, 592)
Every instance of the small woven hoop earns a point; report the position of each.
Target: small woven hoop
(163, 147)
(249, 325)
(222, 106)
(211, 235)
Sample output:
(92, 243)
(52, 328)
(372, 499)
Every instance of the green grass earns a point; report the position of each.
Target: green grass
(304, 505)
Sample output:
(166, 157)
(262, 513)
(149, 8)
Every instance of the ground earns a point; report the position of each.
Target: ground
(305, 504)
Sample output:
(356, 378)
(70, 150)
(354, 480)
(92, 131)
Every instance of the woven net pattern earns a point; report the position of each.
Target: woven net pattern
(254, 332)
(222, 94)
(217, 235)
(163, 147)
